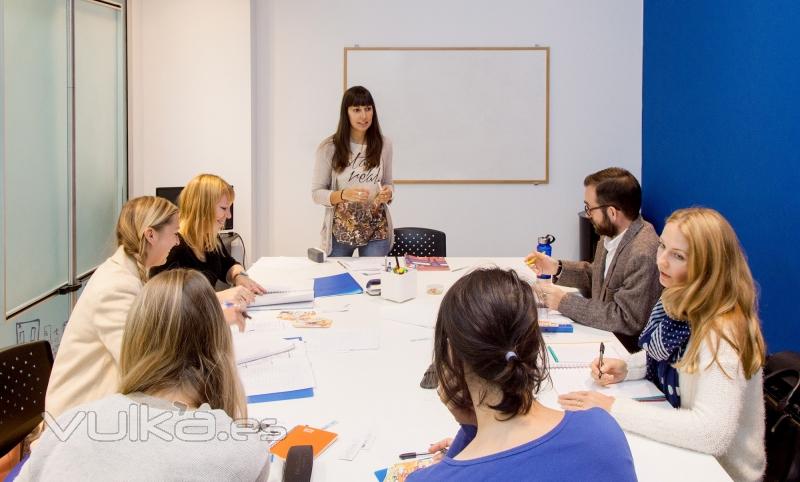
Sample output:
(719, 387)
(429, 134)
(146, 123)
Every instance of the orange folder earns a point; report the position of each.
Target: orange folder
(304, 435)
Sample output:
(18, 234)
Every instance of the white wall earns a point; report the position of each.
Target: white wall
(596, 90)
(189, 97)
(191, 104)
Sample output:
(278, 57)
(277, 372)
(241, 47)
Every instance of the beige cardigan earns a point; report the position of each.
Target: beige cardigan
(323, 183)
(87, 364)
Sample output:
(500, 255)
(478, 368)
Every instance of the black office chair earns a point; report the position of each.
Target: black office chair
(782, 406)
(24, 374)
(419, 242)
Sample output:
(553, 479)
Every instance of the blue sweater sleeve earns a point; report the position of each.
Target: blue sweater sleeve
(463, 438)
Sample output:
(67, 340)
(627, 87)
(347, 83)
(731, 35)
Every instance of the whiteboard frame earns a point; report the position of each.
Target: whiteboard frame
(546, 51)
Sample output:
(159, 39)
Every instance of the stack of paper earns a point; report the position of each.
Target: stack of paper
(280, 377)
(251, 346)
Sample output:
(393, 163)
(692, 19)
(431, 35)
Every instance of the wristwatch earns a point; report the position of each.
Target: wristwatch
(241, 273)
(558, 271)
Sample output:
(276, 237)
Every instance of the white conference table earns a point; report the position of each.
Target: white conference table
(377, 391)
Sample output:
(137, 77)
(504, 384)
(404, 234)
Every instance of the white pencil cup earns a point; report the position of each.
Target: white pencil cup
(399, 287)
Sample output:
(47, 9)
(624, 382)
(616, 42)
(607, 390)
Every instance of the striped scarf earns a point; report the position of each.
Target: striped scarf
(664, 340)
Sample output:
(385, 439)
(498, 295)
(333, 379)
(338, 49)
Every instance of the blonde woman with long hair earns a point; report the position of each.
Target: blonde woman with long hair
(702, 347)
(205, 205)
(86, 366)
(180, 410)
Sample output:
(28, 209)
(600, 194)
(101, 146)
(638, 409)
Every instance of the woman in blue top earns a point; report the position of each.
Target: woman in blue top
(488, 354)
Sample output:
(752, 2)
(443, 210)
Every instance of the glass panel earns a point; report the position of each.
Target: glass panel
(36, 130)
(44, 321)
(99, 129)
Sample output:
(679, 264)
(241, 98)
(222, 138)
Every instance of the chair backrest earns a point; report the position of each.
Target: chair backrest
(24, 374)
(419, 242)
(782, 404)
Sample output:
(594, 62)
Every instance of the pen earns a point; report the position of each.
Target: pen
(600, 364)
(413, 455)
(228, 304)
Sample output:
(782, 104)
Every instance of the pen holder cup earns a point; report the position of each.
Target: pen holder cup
(399, 287)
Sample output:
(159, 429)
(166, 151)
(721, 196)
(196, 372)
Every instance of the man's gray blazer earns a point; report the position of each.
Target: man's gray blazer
(622, 301)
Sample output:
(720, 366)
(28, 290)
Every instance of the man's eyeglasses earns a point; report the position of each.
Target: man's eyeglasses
(588, 210)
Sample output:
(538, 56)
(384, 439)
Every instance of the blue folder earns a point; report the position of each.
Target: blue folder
(274, 397)
(338, 284)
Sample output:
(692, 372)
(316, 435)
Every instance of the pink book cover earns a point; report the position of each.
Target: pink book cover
(427, 263)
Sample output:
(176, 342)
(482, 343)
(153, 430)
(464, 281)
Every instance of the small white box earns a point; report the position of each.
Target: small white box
(399, 287)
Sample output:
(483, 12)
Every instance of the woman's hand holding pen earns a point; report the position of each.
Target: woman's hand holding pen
(540, 263)
(612, 371)
(235, 315)
(440, 448)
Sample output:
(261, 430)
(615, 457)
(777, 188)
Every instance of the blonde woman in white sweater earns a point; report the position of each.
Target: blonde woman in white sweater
(87, 364)
(702, 347)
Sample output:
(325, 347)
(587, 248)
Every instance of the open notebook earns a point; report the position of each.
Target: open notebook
(299, 291)
(573, 361)
(251, 346)
(578, 355)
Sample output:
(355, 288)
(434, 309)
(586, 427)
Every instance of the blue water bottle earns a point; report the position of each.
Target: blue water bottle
(545, 247)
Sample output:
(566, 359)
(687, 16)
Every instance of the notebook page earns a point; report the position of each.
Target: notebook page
(574, 355)
(579, 379)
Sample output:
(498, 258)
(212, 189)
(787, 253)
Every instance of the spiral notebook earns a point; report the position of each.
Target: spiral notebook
(299, 291)
(578, 355)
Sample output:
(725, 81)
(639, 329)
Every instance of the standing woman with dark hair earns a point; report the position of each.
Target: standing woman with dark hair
(488, 356)
(353, 179)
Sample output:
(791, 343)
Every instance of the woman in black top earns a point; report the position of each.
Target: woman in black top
(205, 205)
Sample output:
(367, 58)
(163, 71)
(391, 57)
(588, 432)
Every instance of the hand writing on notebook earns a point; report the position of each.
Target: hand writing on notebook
(235, 315)
(613, 371)
(585, 400)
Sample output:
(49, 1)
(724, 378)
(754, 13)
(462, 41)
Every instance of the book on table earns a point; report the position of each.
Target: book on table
(317, 438)
(427, 263)
(283, 294)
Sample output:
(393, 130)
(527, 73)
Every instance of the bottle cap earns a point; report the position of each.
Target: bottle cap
(547, 239)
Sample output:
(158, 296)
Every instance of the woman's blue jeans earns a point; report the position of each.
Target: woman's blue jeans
(379, 247)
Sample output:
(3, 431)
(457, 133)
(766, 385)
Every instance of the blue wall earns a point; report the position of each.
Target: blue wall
(721, 128)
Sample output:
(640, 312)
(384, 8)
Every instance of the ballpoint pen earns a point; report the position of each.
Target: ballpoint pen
(600, 364)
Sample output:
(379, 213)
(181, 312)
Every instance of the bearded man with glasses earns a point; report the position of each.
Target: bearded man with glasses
(620, 287)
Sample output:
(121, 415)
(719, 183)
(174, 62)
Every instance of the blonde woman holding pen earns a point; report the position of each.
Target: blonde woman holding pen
(702, 347)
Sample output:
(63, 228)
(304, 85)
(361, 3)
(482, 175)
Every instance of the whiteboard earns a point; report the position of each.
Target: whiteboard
(460, 115)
